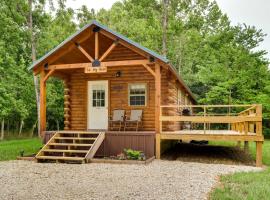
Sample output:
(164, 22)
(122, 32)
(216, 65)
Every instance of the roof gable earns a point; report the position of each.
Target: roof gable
(120, 36)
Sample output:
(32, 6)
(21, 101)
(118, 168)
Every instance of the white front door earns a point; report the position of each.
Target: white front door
(97, 117)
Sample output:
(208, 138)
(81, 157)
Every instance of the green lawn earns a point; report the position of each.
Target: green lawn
(10, 149)
(252, 185)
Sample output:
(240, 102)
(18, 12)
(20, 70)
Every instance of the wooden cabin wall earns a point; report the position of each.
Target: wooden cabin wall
(118, 94)
(172, 85)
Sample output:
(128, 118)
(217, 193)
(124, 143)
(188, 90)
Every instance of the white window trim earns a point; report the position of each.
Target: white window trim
(146, 93)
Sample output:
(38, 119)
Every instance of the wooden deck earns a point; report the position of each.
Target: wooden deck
(243, 122)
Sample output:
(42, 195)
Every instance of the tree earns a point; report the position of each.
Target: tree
(33, 56)
(165, 5)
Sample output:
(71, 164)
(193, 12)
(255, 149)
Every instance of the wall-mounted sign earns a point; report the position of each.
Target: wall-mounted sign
(117, 87)
(99, 69)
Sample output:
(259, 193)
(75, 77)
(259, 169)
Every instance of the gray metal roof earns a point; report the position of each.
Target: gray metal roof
(120, 36)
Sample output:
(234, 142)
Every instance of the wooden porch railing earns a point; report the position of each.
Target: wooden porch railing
(212, 122)
(245, 119)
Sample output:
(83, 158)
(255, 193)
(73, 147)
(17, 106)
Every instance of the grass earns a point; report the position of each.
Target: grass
(10, 149)
(246, 185)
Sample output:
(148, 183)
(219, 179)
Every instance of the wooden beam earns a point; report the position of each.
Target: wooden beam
(42, 103)
(48, 75)
(150, 70)
(63, 50)
(207, 106)
(85, 53)
(69, 66)
(211, 119)
(210, 137)
(158, 144)
(104, 64)
(96, 46)
(124, 63)
(259, 154)
(108, 51)
(157, 97)
(138, 51)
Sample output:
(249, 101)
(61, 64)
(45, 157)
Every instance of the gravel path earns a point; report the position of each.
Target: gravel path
(158, 180)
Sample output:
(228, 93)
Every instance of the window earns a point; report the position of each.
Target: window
(98, 99)
(137, 94)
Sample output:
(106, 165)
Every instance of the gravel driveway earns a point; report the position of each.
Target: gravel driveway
(158, 180)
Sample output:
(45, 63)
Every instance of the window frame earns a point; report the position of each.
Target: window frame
(146, 93)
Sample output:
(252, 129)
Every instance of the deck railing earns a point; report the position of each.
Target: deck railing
(244, 119)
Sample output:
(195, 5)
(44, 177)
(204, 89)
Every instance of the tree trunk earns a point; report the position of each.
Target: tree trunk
(33, 129)
(33, 54)
(21, 127)
(2, 129)
(8, 127)
(165, 5)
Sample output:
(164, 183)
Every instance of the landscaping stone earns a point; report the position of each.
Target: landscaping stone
(20, 180)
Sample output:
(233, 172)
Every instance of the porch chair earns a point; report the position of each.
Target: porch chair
(134, 120)
(117, 119)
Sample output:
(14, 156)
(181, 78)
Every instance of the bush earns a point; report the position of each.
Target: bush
(134, 155)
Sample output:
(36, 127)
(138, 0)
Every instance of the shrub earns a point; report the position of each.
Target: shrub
(134, 155)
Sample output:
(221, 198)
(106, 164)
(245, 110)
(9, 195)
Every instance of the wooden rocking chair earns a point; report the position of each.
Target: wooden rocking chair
(117, 120)
(134, 121)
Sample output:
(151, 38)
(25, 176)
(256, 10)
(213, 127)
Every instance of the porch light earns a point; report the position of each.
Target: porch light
(118, 74)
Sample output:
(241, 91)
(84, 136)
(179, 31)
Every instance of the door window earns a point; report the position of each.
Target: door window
(98, 97)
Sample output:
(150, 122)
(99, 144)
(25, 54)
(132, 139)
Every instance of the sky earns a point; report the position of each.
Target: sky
(250, 12)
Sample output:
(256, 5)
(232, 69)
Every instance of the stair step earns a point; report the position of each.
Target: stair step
(87, 133)
(61, 158)
(70, 144)
(74, 138)
(90, 140)
(65, 150)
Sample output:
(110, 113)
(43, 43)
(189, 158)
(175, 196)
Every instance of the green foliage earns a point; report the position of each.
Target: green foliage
(10, 149)
(133, 154)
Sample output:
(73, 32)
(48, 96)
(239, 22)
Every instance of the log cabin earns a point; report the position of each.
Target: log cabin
(104, 71)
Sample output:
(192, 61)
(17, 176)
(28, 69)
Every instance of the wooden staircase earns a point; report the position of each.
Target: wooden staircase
(71, 147)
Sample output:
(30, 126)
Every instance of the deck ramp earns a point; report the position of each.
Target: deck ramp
(71, 147)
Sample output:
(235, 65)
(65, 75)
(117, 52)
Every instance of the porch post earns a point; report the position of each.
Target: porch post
(157, 108)
(259, 154)
(42, 103)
